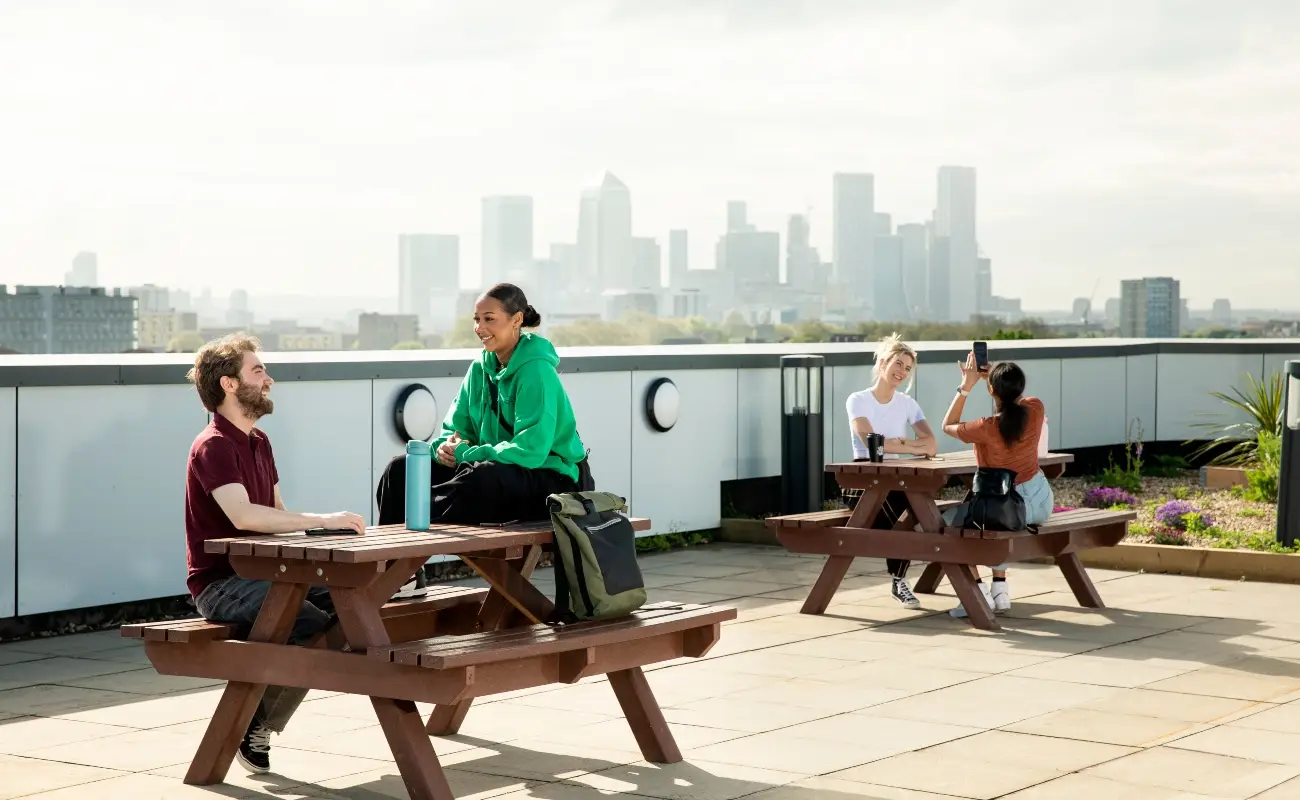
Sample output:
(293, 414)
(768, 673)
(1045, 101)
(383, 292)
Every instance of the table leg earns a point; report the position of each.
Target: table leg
(962, 578)
(930, 577)
(926, 511)
(400, 719)
(1082, 586)
(832, 574)
(497, 612)
(644, 716)
(239, 701)
(836, 567)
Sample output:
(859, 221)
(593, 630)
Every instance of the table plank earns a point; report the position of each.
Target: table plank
(962, 463)
(390, 542)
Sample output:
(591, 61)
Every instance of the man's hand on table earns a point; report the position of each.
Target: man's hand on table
(342, 519)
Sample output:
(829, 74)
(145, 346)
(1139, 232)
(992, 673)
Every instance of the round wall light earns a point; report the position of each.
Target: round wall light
(415, 414)
(662, 404)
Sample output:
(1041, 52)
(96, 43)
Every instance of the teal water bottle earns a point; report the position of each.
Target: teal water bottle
(419, 483)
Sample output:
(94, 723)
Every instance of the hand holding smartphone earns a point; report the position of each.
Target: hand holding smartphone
(981, 355)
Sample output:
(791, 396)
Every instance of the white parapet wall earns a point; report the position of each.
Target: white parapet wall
(93, 448)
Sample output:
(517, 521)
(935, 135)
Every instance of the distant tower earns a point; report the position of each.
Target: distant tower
(85, 270)
(605, 252)
(853, 248)
(507, 236)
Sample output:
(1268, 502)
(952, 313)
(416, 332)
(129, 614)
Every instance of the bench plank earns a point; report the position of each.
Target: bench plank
(198, 629)
(450, 652)
(182, 630)
(833, 518)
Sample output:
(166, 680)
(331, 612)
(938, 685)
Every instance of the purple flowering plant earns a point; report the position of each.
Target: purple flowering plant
(1107, 496)
(1181, 515)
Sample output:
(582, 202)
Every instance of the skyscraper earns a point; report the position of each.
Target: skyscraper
(85, 270)
(507, 236)
(884, 224)
(954, 219)
(753, 257)
(679, 259)
(915, 267)
(800, 257)
(605, 233)
(428, 264)
(1150, 308)
(648, 263)
(887, 278)
(853, 248)
(937, 290)
(737, 216)
(983, 285)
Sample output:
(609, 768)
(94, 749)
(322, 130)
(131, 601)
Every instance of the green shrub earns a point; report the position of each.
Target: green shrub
(1114, 477)
(670, 541)
(1181, 492)
(1166, 467)
(1261, 482)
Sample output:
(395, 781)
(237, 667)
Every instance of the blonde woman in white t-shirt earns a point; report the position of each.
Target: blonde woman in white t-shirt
(888, 410)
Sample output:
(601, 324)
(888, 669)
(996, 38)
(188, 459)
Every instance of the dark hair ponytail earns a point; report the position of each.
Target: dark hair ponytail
(1008, 383)
(512, 299)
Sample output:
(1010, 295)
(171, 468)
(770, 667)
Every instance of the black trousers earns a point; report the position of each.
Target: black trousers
(471, 494)
(890, 512)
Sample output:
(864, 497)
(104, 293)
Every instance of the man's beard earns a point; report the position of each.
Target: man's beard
(252, 402)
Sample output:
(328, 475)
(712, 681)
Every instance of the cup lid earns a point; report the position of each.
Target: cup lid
(415, 447)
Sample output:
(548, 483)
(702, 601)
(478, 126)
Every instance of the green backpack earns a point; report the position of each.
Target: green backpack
(596, 572)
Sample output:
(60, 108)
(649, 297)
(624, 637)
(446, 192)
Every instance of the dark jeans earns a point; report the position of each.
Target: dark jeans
(470, 494)
(236, 601)
(890, 512)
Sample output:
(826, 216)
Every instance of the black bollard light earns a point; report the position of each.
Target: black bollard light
(1288, 478)
(802, 467)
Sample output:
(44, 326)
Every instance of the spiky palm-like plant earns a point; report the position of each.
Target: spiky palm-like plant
(1236, 440)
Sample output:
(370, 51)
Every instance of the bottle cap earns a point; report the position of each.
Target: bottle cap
(415, 447)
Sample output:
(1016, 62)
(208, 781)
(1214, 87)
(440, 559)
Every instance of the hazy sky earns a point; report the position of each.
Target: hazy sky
(281, 145)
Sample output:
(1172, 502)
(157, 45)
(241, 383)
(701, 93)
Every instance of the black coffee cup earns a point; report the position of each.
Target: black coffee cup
(875, 447)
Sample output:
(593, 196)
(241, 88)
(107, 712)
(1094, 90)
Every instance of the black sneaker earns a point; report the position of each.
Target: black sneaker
(903, 594)
(255, 751)
(417, 586)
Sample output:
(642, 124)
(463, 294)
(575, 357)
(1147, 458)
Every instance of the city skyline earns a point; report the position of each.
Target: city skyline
(296, 165)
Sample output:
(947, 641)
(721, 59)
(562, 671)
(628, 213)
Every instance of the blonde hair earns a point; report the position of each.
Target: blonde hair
(891, 347)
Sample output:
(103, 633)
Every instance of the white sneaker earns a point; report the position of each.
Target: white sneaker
(903, 594)
(1001, 597)
(960, 612)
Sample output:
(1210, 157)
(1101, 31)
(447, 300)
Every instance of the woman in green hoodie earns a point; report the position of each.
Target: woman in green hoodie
(510, 439)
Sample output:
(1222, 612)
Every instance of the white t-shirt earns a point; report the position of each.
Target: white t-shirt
(893, 420)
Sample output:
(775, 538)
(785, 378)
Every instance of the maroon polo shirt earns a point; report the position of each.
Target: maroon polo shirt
(222, 454)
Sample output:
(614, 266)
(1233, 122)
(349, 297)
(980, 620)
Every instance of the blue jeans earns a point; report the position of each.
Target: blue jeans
(1039, 502)
(236, 601)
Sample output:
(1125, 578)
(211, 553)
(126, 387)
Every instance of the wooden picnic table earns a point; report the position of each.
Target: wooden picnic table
(842, 536)
(362, 573)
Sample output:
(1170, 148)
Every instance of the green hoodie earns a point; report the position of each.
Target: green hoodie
(531, 398)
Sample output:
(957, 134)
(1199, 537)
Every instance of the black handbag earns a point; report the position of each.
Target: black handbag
(993, 504)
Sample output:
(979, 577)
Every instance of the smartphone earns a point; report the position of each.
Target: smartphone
(331, 532)
(981, 355)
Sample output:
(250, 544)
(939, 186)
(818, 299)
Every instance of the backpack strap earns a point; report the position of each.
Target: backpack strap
(562, 614)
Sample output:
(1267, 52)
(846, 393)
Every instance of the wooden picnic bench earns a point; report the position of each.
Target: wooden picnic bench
(446, 648)
(950, 552)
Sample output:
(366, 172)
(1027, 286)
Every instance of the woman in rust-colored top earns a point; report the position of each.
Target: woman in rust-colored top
(1007, 440)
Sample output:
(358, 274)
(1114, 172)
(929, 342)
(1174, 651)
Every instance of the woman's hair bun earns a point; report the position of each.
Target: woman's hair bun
(531, 318)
